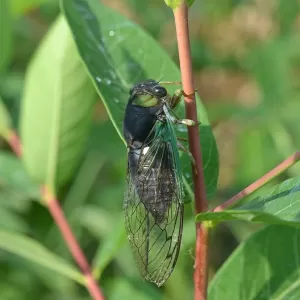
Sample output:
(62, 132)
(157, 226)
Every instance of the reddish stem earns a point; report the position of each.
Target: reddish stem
(15, 143)
(60, 219)
(183, 40)
(287, 163)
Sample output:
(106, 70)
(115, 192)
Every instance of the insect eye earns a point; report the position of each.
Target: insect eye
(160, 91)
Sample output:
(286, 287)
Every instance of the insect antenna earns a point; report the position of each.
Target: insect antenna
(170, 82)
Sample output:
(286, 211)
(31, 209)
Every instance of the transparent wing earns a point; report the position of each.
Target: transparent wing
(154, 209)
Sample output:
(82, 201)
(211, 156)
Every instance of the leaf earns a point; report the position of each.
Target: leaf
(122, 289)
(175, 3)
(110, 233)
(22, 7)
(12, 174)
(266, 266)
(11, 221)
(118, 53)
(97, 220)
(108, 248)
(190, 2)
(278, 205)
(5, 121)
(56, 109)
(6, 34)
(254, 144)
(286, 14)
(271, 65)
(77, 197)
(30, 249)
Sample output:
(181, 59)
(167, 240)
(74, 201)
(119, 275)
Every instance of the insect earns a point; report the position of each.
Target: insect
(153, 203)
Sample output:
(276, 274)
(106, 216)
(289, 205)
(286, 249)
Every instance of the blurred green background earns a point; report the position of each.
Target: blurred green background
(246, 61)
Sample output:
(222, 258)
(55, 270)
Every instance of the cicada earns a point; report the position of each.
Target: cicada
(153, 203)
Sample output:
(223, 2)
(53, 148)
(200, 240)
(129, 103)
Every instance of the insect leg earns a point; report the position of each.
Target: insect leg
(175, 99)
(186, 122)
(182, 139)
(182, 148)
(176, 120)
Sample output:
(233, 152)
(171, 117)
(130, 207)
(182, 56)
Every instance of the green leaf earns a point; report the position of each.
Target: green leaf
(30, 249)
(254, 144)
(278, 205)
(97, 220)
(118, 54)
(12, 174)
(175, 3)
(22, 7)
(122, 289)
(266, 266)
(9, 220)
(5, 121)
(108, 248)
(6, 34)
(77, 197)
(286, 13)
(190, 2)
(56, 109)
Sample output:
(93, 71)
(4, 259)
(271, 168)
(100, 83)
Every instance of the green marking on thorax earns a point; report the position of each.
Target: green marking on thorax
(145, 100)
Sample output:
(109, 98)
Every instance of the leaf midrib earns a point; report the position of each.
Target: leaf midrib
(56, 119)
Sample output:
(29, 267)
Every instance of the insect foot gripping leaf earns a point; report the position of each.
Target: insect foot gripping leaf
(153, 202)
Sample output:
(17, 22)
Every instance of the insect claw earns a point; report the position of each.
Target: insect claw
(195, 168)
(182, 139)
(191, 94)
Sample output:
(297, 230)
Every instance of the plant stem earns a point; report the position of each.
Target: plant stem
(201, 259)
(14, 142)
(287, 163)
(59, 218)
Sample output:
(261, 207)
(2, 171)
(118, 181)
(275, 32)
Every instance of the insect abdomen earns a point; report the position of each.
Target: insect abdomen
(156, 185)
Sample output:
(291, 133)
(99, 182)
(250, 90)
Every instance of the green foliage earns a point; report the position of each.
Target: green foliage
(108, 248)
(13, 174)
(6, 34)
(16, 189)
(5, 121)
(278, 205)
(105, 41)
(247, 76)
(265, 266)
(22, 7)
(175, 3)
(56, 109)
(30, 249)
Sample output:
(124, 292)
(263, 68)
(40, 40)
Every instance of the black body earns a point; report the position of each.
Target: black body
(138, 130)
(153, 207)
(139, 120)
